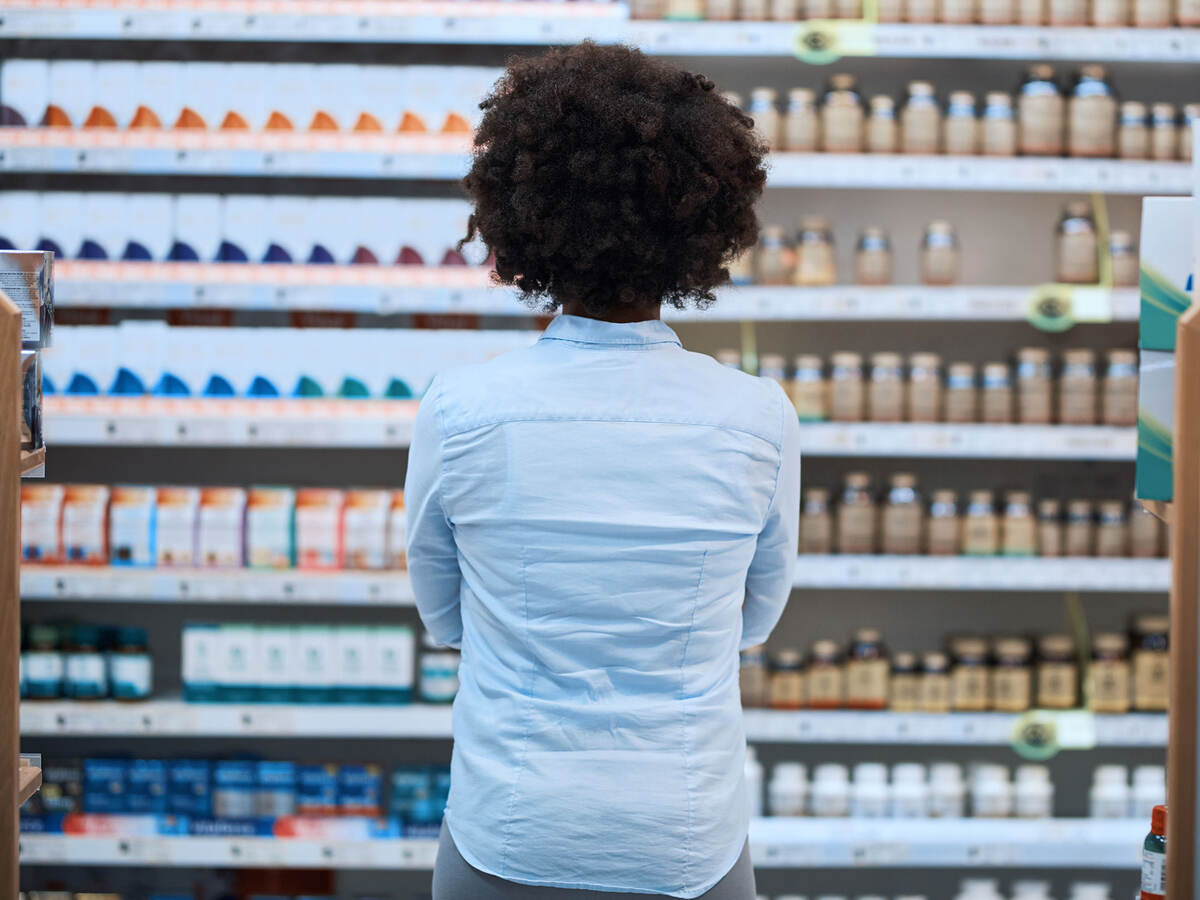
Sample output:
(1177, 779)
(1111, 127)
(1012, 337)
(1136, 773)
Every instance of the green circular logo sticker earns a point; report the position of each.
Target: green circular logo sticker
(817, 43)
(1052, 308)
(1036, 736)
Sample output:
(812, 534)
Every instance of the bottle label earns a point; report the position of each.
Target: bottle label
(1151, 675)
(131, 676)
(1154, 875)
(86, 675)
(867, 682)
(825, 686)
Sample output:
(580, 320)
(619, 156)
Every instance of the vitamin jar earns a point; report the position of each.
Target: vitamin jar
(1019, 534)
(1133, 131)
(787, 690)
(647, 9)
(765, 116)
(962, 400)
(826, 677)
(924, 387)
(1012, 677)
(885, 395)
(1145, 533)
(776, 260)
(867, 671)
(815, 263)
(920, 12)
(1034, 383)
(1077, 388)
(741, 270)
(86, 675)
(981, 530)
(996, 12)
(771, 366)
(1049, 528)
(1058, 673)
(842, 116)
(1164, 131)
(1091, 114)
(921, 118)
(685, 10)
(957, 12)
(970, 688)
(754, 10)
(1191, 113)
(1152, 13)
(1110, 13)
(817, 9)
(1041, 113)
(1067, 12)
(856, 516)
(131, 670)
(1187, 13)
(996, 398)
(933, 690)
(439, 672)
(846, 394)
(1112, 530)
(1031, 12)
(903, 690)
(1077, 245)
(816, 522)
(890, 11)
(43, 664)
(1109, 675)
(808, 389)
(783, 10)
(802, 124)
(998, 130)
(882, 132)
(945, 529)
(720, 10)
(1079, 536)
(903, 517)
(939, 253)
(1151, 663)
(1124, 256)
(873, 257)
(960, 129)
(752, 676)
(849, 9)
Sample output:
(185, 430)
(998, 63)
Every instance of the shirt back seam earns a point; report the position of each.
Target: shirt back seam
(490, 423)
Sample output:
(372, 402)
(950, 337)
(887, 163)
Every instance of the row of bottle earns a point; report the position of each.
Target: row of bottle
(1103, 13)
(1085, 119)
(902, 523)
(85, 662)
(809, 258)
(971, 889)
(239, 97)
(237, 228)
(1007, 674)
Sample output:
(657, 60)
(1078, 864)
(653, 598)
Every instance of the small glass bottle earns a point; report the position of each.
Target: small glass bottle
(1067, 12)
(846, 392)
(730, 359)
(890, 12)
(962, 397)
(885, 395)
(1041, 112)
(998, 129)
(1091, 114)
(1012, 679)
(945, 528)
(939, 253)
(1109, 676)
(921, 117)
(971, 679)
(765, 115)
(1164, 131)
(1145, 533)
(903, 517)
(903, 696)
(867, 671)
(816, 523)
(920, 12)
(1133, 131)
(1058, 672)
(1187, 13)
(996, 398)
(960, 129)
(1110, 13)
(783, 10)
(1151, 663)
(741, 270)
(131, 668)
(933, 691)
(1112, 530)
(1151, 13)
(647, 9)
(1020, 527)
(86, 671)
(997, 12)
(752, 677)
(981, 530)
(1034, 386)
(1123, 253)
(1077, 388)
(882, 131)
(1049, 528)
(856, 516)
(772, 366)
(957, 12)
(802, 124)
(924, 387)
(1154, 856)
(787, 690)
(1191, 114)
(1079, 537)
(754, 10)
(815, 262)
(808, 389)
(817, 9)
(1031, 12)
(43, 664)
(849, 9)
(873, 257)
(1077, 245)
(720, 10)
(826, 676)
(776, 261)
(842, 116)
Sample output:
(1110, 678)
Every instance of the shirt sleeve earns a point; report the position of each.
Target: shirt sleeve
(432, 553)
(769, 580)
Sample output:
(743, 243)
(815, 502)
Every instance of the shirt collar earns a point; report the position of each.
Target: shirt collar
(582, 330)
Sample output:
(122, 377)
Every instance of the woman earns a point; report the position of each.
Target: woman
(601, 520)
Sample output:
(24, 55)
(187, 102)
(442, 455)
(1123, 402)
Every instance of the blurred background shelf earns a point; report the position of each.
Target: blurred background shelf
(968, 441)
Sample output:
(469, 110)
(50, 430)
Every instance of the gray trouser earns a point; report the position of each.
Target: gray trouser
(455, 879)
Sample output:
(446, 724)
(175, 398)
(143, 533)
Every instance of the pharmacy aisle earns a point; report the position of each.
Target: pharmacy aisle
(256, 226)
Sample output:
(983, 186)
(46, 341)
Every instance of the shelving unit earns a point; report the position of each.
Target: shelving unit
(982, 574)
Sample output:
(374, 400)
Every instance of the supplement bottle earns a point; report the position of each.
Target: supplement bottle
(924, 388)
(1187, 14)
(1152, 13)
(960, 129)
(885, 395)
(910, 792)
(1012, 678)
(1077, 388)
(765, 116)
(873, 257)
(741, 270)
(939, 253)
(933, 691)
(981, 530)
(1110, 13)
(1019, 529)
(720, 10)
(1068, 12)
(783, 10)
(921, 117)
(1079, 535)
(1151, 665)
(1031, 12)
(826, 677)
(817, 9)
(130, 666)
(1109, 795)
(997, 394)
(999, 125)
(776, 260)
(945, 529)
(754, 10)
(856, 516)
(1123, 253)
(902, 696)
(920, 12)
(802, 124)
(970, 681)
(947, 793)
(752, 677)
(903, 517)
(849, 9)
(730, 359)
(1034, 382)
(1164, 131)
(846, 393)
(1077, 245)
(962, 401)
(685, 10)
(1034, 793)
(787, 680)
(1133, 131)
(1112, 530)
(753, 772)
(991, 798)
(771, 366)
(43, 664)
(882, 131)
(831, 791)
(890, 11)
(1154, 857)
(1191, 113)
(787, 792)
(1109, 676)
(957, 12)
(1092, 113)
(86, 671)
(867, 671)
(1145, 533)
(1041, 112)
(1049, 528)
(439, 672)
(808, 389)
(869, 791)
(1058, 673)
(1149, 790)
(647, 9)
(815, 263)
(996, 12)
(842, 116)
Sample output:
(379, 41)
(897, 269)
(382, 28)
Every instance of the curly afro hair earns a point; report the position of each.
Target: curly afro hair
(608, 178)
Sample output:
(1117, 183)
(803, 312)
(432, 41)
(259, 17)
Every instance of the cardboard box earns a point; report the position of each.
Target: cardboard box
(27, 279)
(1166, 267)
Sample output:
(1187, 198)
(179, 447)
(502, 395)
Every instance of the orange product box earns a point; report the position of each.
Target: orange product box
(175, 535)
(220, 527)
(41, 523)
(319, 528)
(364, 528)
(397, 554)
(85, 524)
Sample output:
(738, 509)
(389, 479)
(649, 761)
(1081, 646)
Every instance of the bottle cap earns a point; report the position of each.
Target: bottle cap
(1158, 821)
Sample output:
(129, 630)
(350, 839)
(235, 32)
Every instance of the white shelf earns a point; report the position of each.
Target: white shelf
(129, 585)
(969, 441)
(173, 718)
(774, 844)
(961, 573)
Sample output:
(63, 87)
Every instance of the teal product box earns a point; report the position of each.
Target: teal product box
(276, 664)
(314, 664)
(1166, 265)
(392, 664)
(411, 793)
(1156, 425)
(201, 656)
(352, 653)
(189, 787)
(238, 666)
(147, 786)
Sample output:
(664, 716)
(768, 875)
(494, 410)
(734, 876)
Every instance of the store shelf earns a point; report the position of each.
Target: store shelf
(445, 157)
(29, 779)
(774, 844)
(173, 718)
(291, 587)
(969, 441)
(964, 573)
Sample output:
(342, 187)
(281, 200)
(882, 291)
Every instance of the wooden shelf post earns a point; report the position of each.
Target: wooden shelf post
(10, 597)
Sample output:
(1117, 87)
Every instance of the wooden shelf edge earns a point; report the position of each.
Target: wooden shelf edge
(1160, 509)
(32, 459)
(29, 779)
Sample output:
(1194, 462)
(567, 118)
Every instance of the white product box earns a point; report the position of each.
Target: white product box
(293, 95)
(72, 87)
(245, 91)
(161, 91)
(319, 528)
(117, 90)
(221, 521)
(353, 652)
(131, 527)
(20, 218)
(150, 218)
(200, 661)
(277, 653)
(287, 225)
(41, 522)
(397, 555)
(375, 230)
(380, 95)
(238, 666)
(314, 669)
(331, 225)
(61, 222)
(25, 88)
(365, 528)
(244, 224)
(175, 525)
(270, 516)
(85, 523)
(392, 667)
(197, 224)
(105, 223)
(202, 90)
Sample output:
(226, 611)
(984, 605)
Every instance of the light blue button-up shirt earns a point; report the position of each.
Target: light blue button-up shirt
(600, 521)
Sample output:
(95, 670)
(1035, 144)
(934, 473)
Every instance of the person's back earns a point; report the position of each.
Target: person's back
(601, 520)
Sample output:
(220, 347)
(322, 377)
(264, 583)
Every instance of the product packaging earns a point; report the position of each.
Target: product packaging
(397, 554)
(391, 665)
(175, 525)
(314, 664)
(131, 526)
(84, 524)
(238, 664)
(365, 528)
(352, 654)
(220, 529)
(319, 528)
(41, 522)
(277, 661)
(27, 279)
(201, 657)
(270, 527)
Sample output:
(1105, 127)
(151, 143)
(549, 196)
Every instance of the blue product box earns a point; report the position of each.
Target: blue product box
(317, 790)
(189, 787)
(147, 786)
(106, 785)
(360, 790)
(411, 787)
(276, 789)
(234, 781)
